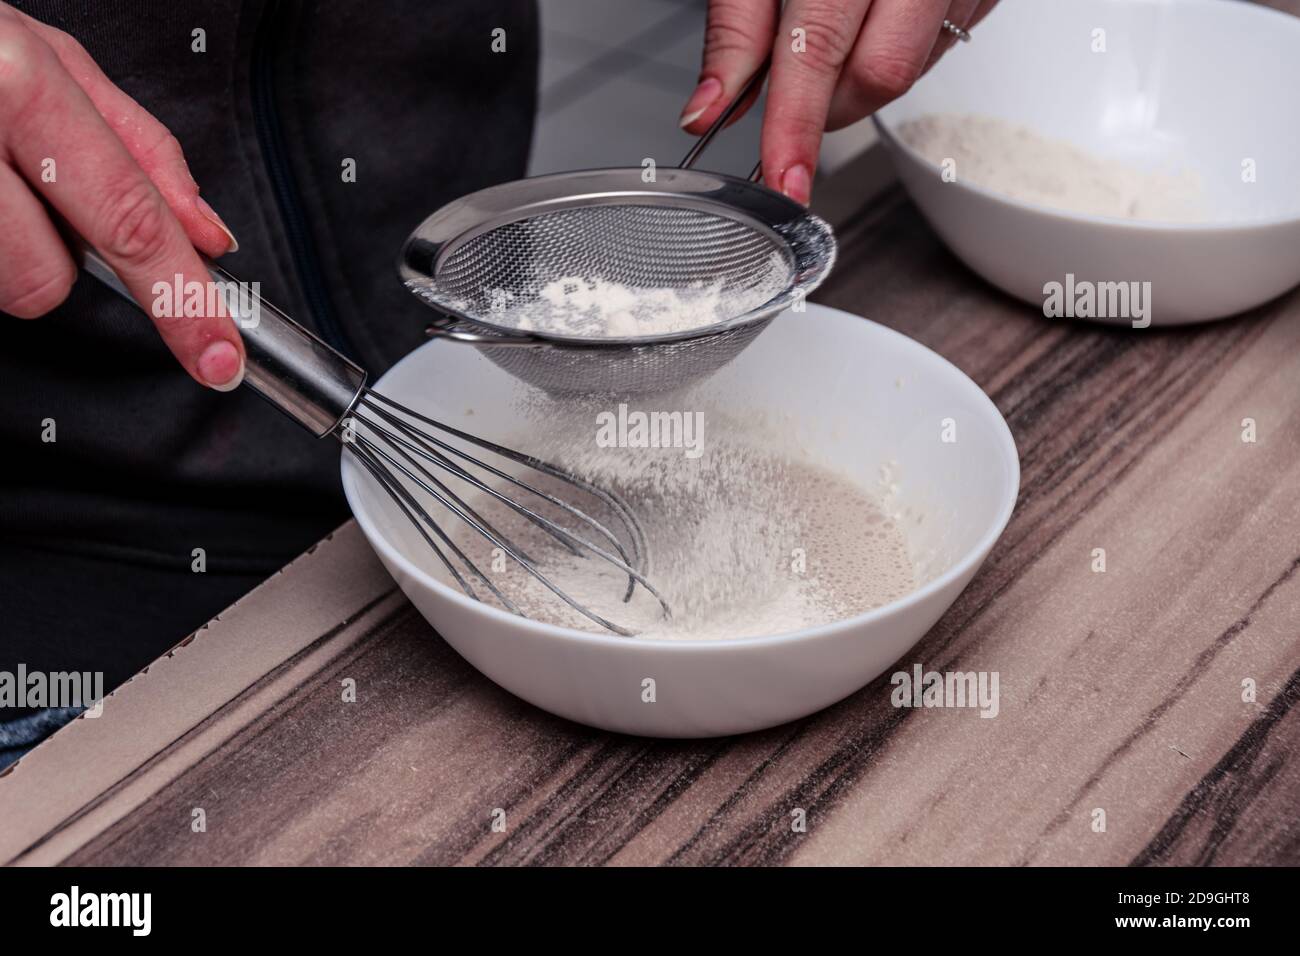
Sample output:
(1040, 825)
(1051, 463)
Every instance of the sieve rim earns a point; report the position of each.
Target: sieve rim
(804, 238)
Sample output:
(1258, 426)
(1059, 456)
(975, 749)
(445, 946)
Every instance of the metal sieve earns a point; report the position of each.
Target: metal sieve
(483, 262)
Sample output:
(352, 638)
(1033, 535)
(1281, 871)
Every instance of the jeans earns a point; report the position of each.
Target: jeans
(21, 735)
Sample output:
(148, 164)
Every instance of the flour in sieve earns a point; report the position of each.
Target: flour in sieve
(594, 307)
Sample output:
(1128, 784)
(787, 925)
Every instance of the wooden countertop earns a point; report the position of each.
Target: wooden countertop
(1121, 691)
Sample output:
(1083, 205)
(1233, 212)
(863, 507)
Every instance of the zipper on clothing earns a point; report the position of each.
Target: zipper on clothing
(270, 138)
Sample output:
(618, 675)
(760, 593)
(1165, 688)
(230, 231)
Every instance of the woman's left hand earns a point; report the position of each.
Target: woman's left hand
(851, 58)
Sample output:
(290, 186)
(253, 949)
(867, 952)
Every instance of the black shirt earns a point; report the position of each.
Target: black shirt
(98, 528)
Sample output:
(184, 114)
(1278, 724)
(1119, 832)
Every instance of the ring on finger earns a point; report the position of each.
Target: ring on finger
(958, 32)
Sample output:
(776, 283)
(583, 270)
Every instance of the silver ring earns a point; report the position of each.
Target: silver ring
(958, 32)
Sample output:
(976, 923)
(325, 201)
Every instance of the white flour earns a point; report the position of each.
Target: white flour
(742, 541)
(597, 307)
(1020, 163)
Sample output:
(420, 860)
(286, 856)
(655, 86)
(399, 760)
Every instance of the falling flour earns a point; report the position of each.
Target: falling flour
(742, 541)
(1022, 164)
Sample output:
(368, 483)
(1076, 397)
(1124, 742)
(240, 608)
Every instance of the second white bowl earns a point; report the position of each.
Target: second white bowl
(1205, 85)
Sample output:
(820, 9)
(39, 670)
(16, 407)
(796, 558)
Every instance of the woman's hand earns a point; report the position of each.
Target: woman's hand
(70, 138)
(856, 56)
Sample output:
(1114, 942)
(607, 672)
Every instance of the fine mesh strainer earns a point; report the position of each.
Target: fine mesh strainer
(733, 252)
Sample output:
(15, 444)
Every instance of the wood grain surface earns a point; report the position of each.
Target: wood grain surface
(1120, 691)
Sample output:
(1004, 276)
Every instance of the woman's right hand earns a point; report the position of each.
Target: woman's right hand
(71, 139)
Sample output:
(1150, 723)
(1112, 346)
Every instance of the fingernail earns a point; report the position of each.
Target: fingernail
(705, 95)
(210, 214)
(797, 183)
(221, 367)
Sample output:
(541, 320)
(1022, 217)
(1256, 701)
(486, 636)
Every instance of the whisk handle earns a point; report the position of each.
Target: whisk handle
(285, 363)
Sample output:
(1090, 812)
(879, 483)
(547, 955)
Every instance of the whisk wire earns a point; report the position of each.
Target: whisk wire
(410, 508)
(616, 506)
(561, 534)
(540, 520)
(425, 449)
(613, 502)
(441, 486)
(509, 550)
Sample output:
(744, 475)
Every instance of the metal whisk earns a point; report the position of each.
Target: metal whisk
(398, 441)
(407, 452)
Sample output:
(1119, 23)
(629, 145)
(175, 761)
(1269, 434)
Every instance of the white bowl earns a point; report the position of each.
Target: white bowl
(1196, 84)
(858, 395)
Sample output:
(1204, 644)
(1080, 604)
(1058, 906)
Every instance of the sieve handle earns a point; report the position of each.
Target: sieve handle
(724, 117)
(285, 363)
